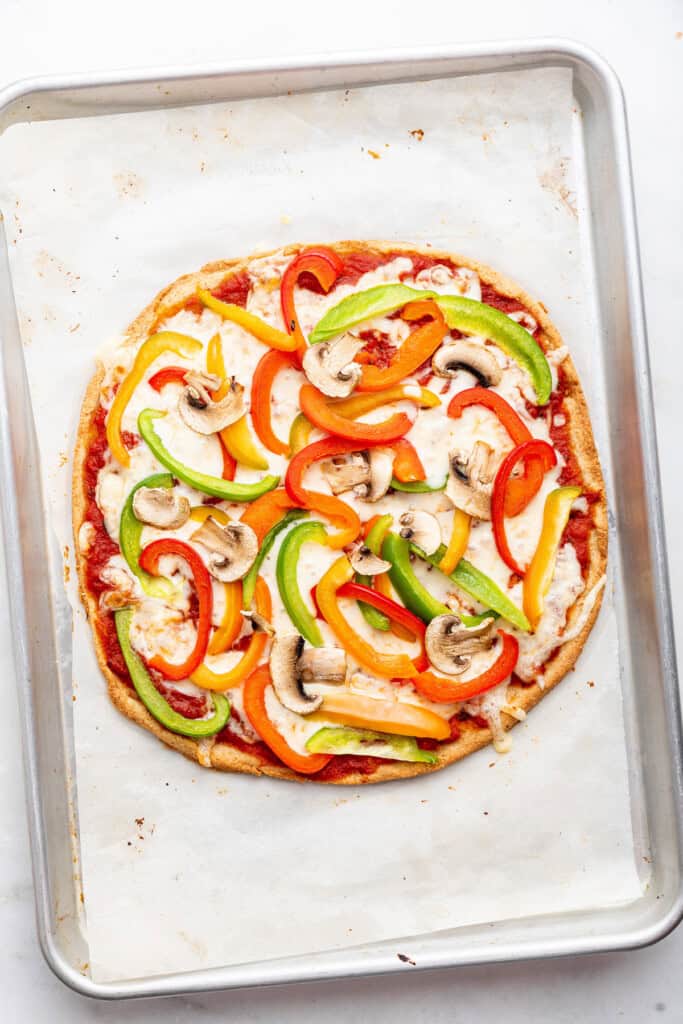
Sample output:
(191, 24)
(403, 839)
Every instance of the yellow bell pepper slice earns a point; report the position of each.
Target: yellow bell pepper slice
(358, 405)
(384, 715)
(391, 666)
(237, 437)
(539, 575)
(203, 676)
(165, 341)
(457, 545)
(253, 324)
(299, 433)
(200, 513)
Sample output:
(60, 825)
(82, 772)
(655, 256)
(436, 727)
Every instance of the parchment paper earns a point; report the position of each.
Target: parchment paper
(185, 868)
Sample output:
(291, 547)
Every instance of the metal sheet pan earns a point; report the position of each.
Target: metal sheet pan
(652, 711)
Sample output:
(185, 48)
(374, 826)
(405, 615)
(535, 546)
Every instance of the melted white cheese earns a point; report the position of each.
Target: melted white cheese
(159, 629)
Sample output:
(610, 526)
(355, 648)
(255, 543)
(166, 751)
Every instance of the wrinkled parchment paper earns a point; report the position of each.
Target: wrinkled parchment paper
(186, 868)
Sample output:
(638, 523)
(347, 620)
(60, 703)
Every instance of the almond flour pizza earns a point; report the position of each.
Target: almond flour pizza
(338, 512)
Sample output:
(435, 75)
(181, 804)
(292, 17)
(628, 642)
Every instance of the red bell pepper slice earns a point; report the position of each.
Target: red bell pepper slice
(336, 509)
(444, 691)
(254, 697)
(265, 373)
(408, 468)
(168, 375)
(521, 489)
(317, 409)
(548, 459)
(149, 561)
(395, 612)
(325, 265)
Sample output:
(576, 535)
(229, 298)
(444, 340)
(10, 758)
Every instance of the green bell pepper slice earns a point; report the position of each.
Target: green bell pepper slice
(362, 306)
(228, 490)
(249, 581)
(288, 585)
(345, 740)
(418, 600)
(418, 486)
(157, 705)
(373, 617)
(130, 533)
(467, 315)
(474, 317)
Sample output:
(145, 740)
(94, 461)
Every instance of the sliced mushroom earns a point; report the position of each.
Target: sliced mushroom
(368, 474)
(367, 563)
(198, 410)
(422, 529)
(234, 548)
(326, 664)
(470, 480)
(345, 472)
(381, 474)
(161, 507)
(259, 623)
(461, 354)
(330, 367)
(449, 644)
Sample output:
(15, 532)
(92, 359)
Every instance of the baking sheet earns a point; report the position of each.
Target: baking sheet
(184, 868)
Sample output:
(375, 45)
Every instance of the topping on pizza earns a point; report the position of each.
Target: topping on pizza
(339, 513)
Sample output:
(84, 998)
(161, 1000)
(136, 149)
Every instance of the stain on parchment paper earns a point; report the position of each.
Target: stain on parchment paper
(553, 179)
(128, 185)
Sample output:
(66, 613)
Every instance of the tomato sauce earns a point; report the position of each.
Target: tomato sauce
(378, 350)
(234, 288)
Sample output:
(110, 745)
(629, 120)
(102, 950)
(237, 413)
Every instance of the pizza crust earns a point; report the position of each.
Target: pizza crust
(225, 757)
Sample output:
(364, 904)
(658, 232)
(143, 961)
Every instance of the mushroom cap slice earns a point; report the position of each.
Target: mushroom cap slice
(329, 365)
(461, 354)
(470, 480)
(367, 563)
(422, 529)
(381, 474)
(326, 664)
(449, 644)
(285, 675)
(259, 623)
(161, 507)
(199, 411)
(345, 472)
(233, 548)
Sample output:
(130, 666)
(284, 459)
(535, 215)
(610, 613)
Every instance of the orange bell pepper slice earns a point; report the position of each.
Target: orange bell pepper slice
(446, 691)
(254, 695)
(539, 575)
(165, 341)
(419, 346)
(266, 511)
(391, 666)
(261, 387)
(203, 676)
(235, 438)
(323, 415)
(253, 324)
(397, 717)
(408, 467)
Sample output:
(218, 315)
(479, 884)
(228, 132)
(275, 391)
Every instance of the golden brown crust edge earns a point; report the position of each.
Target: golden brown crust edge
(227, 758)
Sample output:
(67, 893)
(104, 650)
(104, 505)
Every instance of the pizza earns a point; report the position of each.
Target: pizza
(338, 512)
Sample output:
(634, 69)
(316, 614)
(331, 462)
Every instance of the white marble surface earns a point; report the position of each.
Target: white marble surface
(644, 42)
